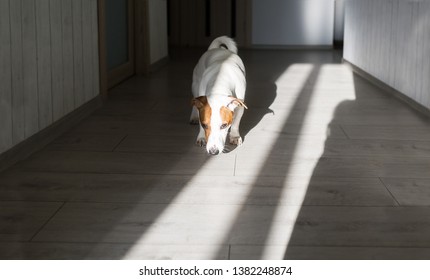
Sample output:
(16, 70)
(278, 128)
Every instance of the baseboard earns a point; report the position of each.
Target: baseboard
(158, 64)
(42, 138)
(390, 90)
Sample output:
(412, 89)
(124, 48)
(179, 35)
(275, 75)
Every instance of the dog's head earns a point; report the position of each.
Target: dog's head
(216, 116)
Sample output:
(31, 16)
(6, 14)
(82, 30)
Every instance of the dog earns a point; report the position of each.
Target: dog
(218, 90)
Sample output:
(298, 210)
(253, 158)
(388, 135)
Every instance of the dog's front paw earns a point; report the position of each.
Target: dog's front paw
(201, 142)
(236, 140)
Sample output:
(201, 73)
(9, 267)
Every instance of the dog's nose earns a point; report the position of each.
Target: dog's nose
(213, 151)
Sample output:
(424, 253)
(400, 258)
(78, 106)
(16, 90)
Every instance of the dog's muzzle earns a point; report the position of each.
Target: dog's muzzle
(213, 151)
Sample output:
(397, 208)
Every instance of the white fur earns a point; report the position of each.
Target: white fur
(220, 76)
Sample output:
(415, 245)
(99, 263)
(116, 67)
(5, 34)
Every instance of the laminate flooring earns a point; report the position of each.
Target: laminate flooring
(331, 167)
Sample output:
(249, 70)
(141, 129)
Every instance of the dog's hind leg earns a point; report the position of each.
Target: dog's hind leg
(235, 138)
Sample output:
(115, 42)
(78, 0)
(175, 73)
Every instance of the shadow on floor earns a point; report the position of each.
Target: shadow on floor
(360, 217)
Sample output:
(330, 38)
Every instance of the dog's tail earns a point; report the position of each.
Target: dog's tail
(224, 42)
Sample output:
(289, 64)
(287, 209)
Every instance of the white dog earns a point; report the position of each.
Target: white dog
(219, 92)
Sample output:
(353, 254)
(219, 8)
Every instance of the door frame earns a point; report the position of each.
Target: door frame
(138, 45)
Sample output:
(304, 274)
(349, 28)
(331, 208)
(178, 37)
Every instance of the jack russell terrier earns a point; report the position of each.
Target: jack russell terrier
(219, 92)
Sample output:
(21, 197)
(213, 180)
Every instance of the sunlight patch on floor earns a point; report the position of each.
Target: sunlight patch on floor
(326, 77)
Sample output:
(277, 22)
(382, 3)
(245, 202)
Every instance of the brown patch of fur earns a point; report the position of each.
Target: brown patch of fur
(205, 112)
(226, 115)
(199, 102)
(205, 118)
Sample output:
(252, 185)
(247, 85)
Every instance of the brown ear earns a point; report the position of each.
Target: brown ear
(199, 102)
(235, 102)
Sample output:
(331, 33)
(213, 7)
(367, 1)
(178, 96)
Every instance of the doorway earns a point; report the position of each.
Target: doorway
(117, 42)
(197, 22)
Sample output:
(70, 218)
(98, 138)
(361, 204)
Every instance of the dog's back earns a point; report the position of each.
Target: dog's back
(213, 72)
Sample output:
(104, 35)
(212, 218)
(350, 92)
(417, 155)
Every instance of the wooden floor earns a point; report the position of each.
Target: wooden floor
(331, 168)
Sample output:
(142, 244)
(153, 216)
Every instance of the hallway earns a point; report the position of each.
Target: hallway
(331, 167)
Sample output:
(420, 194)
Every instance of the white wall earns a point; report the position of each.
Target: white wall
(390, 40)
(292, 22)
(48, 63)
(158, 30)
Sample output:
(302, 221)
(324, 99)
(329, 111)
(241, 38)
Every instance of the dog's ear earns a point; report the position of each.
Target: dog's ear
(235, 102)
(199, 102)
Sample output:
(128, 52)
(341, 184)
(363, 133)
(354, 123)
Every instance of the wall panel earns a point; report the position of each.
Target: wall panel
(95, 47)
(425, 21)
(87, 51)
(18, 117)
(29, 58)
(43, 31)
(78, 67)
(49, 63)
(56, 59)
(5, 77)
(68, 67)
(390, 40)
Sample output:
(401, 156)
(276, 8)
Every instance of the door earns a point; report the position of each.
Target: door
(198, 22)
(116, 27)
